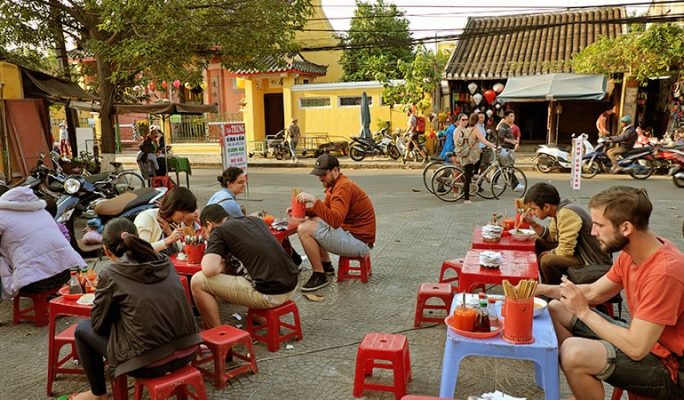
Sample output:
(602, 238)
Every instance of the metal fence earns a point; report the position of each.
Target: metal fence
(201, 128)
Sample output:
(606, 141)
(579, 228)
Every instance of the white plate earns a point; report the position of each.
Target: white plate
(86, 300)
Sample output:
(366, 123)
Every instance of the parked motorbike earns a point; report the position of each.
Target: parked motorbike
(677, 170)
(44, 181)
(88, 203)
(549, 158)
(277, 146)
(362, 147)
(638, 162)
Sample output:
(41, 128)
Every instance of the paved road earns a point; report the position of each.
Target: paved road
(416, 232)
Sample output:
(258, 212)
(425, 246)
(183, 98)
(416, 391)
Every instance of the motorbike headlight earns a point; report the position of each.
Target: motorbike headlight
(72, 185)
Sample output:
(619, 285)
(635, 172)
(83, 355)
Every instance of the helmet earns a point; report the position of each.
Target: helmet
(626, 119)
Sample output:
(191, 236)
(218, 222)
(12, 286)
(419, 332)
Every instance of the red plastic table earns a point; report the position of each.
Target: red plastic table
(506, 242)
(61, 306)
(516, 266)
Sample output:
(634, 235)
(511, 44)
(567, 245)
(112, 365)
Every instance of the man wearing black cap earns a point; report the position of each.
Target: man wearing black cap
(343, 223)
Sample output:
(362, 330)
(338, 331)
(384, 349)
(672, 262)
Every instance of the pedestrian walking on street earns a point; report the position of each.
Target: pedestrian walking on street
(293, 135)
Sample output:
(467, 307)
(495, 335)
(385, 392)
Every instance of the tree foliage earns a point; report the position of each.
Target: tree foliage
(378, 38)
(421, 77)
(135, 41)
(656, 51)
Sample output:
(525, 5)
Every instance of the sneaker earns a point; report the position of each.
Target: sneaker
(519, 188)
(317, 281)
(329, 269)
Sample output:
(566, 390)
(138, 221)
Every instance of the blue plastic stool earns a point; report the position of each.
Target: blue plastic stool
(543, 352)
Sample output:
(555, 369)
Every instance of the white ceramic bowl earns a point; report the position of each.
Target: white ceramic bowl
(522, 235)
(539, 306)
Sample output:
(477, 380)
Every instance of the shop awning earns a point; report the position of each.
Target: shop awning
(166, 108)
(41, 85)
(552, 87)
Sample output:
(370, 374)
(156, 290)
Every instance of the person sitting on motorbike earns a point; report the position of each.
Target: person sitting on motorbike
(34, 254)
(644, 137)
(161, 226)
(140, 317)
(625, 142)
(233, 182)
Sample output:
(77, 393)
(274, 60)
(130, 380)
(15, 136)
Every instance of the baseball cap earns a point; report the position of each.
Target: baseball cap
(626, 119)
(324, 163)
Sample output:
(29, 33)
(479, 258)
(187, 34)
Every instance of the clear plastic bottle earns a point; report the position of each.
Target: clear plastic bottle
(74, 284)
(491, 312)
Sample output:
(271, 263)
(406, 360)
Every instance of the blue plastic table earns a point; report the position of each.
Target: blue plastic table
(543, 352)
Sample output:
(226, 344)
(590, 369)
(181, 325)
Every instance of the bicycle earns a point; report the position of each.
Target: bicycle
(117, 181)
(429, 172)
(448, 181)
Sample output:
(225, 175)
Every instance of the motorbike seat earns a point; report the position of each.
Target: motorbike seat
(125, 201)
(565, 148)
(637, 151)
(95, 178)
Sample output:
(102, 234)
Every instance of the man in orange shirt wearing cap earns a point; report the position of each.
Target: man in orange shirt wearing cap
(343, 223)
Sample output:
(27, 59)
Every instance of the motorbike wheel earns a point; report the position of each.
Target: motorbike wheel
(356, 153)
(545, 164)
(279, 155)
(679, 182)
(589, 168)
(644, 169)
(393, 152)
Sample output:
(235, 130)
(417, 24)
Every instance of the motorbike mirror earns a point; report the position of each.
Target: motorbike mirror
(41, 155)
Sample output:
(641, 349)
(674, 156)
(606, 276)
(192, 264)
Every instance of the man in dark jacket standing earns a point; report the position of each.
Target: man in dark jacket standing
(567, 242)
(625, 141)
(244, 264)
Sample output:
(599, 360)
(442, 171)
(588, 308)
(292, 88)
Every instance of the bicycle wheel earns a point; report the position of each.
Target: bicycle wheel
(447, 183)
(429, 171)
(127, 181)
(506, 177)
(484, 183)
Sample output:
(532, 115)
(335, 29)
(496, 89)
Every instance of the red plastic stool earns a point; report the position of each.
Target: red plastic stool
(173, 383)
(393, 351)
(345, 269)
(442, 291)
(66, 337)
(163, 181)
(451, 265)
(220, 341)
(273, 316)
(617, 394)
(38, 312)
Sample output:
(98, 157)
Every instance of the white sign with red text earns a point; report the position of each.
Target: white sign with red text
(576, 173)
(234, 145)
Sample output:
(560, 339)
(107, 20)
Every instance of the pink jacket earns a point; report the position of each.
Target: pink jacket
(32, 247)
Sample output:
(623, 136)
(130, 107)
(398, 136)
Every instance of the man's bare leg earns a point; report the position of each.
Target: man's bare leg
(581, 359)
(313, 250)
(206, 302)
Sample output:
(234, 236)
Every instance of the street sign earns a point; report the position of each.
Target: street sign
(576, 173)
(234, 145)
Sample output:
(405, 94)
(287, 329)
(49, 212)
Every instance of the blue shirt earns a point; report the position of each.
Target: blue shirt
(483, 132)
(449, 142)
(227, 200)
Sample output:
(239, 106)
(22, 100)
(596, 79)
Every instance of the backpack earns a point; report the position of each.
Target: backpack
(467, 148)
(420, 124)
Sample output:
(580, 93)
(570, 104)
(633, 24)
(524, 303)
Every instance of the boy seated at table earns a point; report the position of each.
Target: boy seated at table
(243, 264)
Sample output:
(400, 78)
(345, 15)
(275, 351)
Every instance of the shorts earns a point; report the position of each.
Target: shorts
(340, 242)
(646, 377)
(238, 290)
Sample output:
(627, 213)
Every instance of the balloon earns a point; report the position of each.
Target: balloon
(477, 98)
(490, 96)
(472, 87)
(164, 85)
(498, 106)
(203, 85)
(498, 87)
(489, 113)
(152, 85)
(176, 83)
(188, 85)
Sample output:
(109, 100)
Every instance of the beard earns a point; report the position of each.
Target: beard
(615, 244)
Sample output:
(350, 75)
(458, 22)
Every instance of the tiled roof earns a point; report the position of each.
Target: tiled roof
(528, 44)
(290, 63)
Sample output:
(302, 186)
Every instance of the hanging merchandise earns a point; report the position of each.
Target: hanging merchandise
(489, 113)
(490, 96)
(164, 85)
(188, 86)
(477, 98)
(498, 106)
(498, 87)
(176, 83)
(472, 87)
(152, 85)
(203, 85)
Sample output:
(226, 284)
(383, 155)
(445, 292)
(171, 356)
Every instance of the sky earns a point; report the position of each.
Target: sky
(428, 18)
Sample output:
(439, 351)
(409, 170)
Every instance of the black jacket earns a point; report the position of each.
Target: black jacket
(143, 310)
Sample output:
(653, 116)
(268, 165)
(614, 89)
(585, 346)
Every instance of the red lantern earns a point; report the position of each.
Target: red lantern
(490, 96)
(176, 83)
(164, 85)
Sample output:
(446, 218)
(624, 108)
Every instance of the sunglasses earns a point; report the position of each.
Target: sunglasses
(464, 119)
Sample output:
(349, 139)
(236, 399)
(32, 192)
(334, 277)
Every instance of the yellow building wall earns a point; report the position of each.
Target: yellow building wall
(10, 76)
(343, 121)
(319, 33)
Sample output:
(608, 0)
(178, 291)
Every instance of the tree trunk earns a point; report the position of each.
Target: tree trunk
(104, 74)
